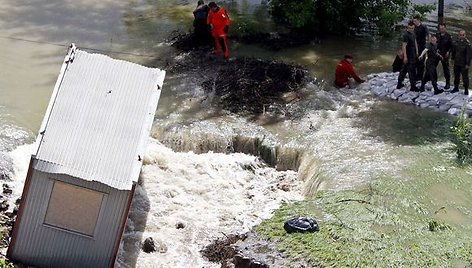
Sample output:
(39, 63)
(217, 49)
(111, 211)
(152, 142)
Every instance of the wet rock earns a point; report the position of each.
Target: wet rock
(379, 91)
(397, 93)
(454, 111)
(424, 105)
(180, 225)
(5, 240)
(241, 261)
(4, 176)
(381, 82)
(259, 252)
(149, 245)
(7, 189)
(445, 107)
(4, 206)
(444, 99)
(10, 223)
(284, 187)
(384, 84)
(222, 250)
(408, 97)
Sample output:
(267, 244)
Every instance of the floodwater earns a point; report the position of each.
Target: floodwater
(34, 38)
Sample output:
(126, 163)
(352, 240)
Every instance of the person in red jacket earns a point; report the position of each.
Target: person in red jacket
(344, 71)
(219, 24)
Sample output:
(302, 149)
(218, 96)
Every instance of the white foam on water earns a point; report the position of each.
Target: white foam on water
(20, 160)
(211, 194)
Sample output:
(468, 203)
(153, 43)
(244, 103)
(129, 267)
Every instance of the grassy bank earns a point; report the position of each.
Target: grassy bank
(419, 217)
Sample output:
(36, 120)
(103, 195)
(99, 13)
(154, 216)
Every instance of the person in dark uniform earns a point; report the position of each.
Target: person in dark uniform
(201, 28)
(410, 54)
(461, 55)
(444, 48)
(398, 61)
(431, 50)
(422, 34)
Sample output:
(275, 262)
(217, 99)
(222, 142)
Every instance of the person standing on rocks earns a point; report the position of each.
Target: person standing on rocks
(398, 61)
(218, 20)
(422, 34)
(345, 71)
(410, 54)
(444, 48)
(461, 55)
(431, 50)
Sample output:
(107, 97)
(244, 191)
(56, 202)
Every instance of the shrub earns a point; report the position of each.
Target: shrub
(341, 16)
(462, 138)
(5, 264)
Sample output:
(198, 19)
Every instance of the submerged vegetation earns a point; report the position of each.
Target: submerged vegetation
(391, 222)
(462, 138)
(420, 216)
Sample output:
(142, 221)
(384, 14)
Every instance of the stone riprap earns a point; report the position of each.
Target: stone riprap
(384, 85)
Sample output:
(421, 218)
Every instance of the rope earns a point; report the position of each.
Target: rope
(83, 48)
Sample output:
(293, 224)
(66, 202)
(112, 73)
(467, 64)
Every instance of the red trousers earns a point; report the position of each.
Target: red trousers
(220, 42)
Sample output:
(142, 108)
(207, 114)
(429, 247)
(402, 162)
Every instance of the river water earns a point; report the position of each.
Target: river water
(178, 186)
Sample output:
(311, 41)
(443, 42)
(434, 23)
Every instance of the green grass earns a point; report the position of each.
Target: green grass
(5, 264)
(421, 217)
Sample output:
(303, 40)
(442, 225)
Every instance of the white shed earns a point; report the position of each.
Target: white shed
(81, 180)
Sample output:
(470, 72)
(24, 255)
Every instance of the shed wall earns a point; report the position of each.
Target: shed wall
(45, 246)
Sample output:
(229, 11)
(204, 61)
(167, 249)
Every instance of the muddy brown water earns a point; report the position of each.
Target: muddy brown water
(35, 34)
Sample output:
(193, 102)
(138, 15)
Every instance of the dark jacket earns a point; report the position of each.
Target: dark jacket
(409, 39)
(421, 33)
(397, 64)
(461, 52)
(432, 53)
(444, 43)
(200, 15)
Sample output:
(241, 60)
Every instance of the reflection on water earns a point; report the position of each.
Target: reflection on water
(405, 125)
(140, 29)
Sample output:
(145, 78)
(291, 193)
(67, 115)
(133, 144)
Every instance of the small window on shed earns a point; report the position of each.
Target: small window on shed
(73, 208)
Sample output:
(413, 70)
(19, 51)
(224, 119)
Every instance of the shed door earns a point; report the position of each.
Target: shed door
(73, 208)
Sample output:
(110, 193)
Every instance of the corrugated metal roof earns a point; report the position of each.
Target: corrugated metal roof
(98, 120)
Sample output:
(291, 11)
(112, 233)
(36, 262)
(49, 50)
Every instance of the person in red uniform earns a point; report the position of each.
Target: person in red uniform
(344, 71)
(219, 24)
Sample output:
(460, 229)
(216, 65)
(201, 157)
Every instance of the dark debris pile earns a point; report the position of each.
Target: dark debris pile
(272, 41)
(245, 86)
(224, 252)
(221, 250)
(187, 42)
(250, 85)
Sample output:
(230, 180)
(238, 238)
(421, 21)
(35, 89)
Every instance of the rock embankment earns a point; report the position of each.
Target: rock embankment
(384, 85)
(7, 218)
